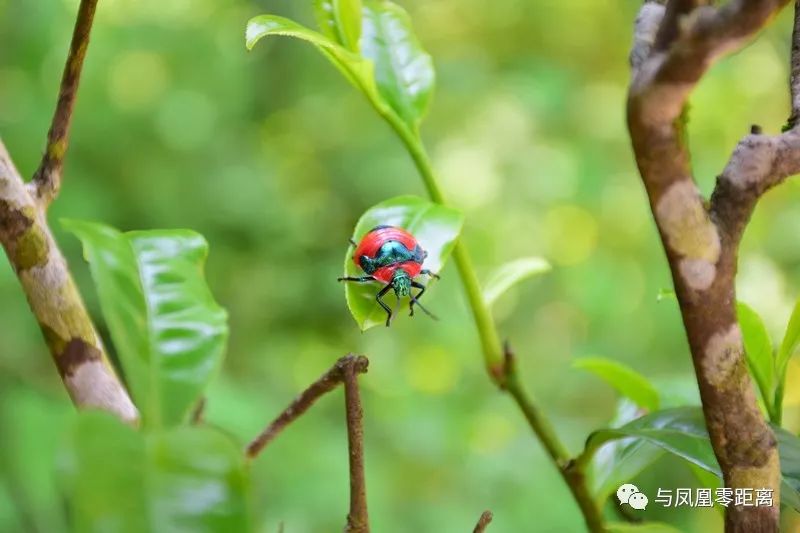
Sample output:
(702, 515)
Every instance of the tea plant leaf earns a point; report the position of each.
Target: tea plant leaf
(624, 379)
(340, 20)
(166, 327)
(403, 69)
(621, 460)
(181, 479)
(511, 273)
(790, 341)
(358, 71)
(758, 350)
(682, 432)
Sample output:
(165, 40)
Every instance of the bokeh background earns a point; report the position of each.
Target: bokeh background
(273, 157)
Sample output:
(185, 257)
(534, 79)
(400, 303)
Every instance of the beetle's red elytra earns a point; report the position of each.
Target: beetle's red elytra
(392, 256)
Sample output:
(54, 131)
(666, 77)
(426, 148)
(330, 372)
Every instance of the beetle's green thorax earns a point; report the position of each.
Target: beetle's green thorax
(401, 282)
(390, 253)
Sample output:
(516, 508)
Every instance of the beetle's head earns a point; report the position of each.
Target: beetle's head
(401, 282)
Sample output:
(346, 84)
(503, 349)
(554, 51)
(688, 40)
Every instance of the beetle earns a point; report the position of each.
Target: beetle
(392, 256)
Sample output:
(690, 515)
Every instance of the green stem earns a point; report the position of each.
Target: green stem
(499, 363)
(490, 340)
(777, 407)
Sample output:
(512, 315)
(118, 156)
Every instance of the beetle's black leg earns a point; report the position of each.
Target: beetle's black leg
(415, 300)
(354, 243)
(362, 279)
(383, 304)
(431, 274)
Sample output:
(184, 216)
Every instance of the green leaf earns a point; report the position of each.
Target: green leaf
(27, 460)
(677, 391)
(789, 451)
(624, 379)
(340, 20)
(184, 479)
(511, 273)
(621, 460)
(789, 344)
(758, 349)
(435, 227)
(403, 70)
(358, 71)
(682, 432)
(166, 327)
(666, 294)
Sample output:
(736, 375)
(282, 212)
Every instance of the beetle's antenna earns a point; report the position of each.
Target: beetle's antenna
(415, 301)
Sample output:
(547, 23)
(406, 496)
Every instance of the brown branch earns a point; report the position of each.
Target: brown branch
(701, 243)
(54, 299)
(346, 371)
(794, 83)
(47, 179)
(670, 28)
(357, 518)
(483, 521)
(326, 383)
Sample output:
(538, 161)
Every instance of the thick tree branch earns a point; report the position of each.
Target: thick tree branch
(483, 521)
(670, 28)
(794, 79)
(701, 244)
(73, 342)
(47, 180)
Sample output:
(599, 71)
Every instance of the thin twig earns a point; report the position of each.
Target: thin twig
(47, 180)
(794, 85)
(326, 383)
(357, 518)
(483, 521)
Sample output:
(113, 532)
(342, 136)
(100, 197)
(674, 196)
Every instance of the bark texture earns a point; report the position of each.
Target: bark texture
(673, 47)
(68, 330)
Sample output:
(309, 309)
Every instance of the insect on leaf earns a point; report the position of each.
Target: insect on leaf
(435, 227)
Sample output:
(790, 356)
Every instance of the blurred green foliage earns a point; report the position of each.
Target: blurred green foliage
(273, 157)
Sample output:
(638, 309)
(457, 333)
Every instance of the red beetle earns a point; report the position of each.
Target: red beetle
(392, 256)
